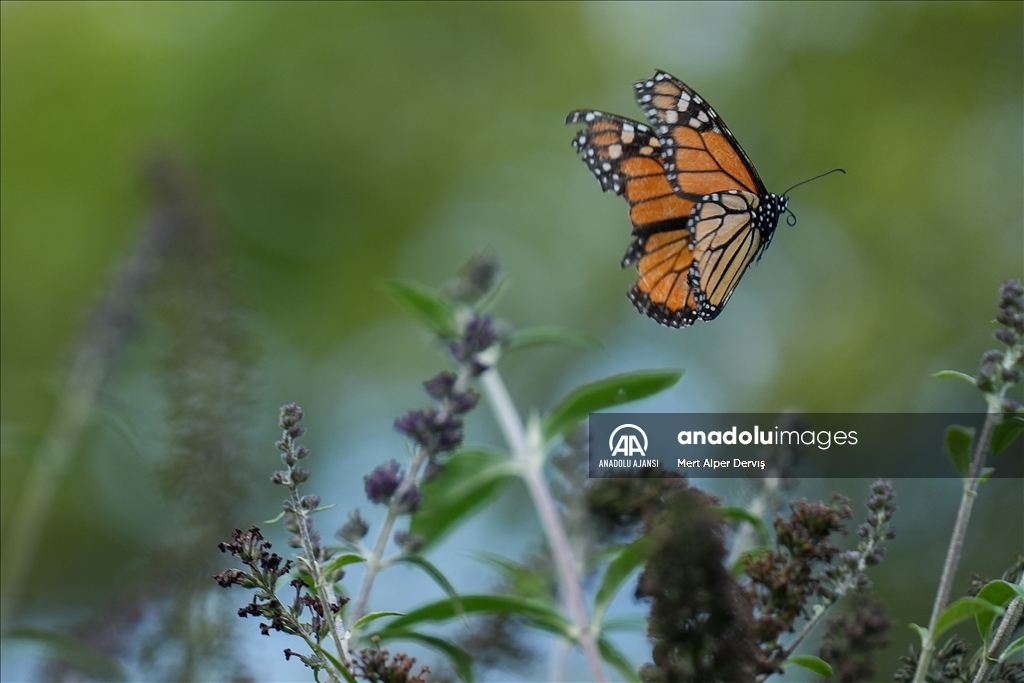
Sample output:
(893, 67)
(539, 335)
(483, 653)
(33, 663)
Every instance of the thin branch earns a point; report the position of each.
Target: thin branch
(531, 457)
(324, 589)
(956, 541)
(375, 562)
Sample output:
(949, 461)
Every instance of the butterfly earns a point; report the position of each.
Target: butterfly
(701, 214)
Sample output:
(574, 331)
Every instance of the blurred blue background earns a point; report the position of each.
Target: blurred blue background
(312, 150)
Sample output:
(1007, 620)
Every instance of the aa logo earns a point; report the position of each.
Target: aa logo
(627, 443)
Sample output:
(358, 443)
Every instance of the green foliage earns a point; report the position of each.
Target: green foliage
(521, 580)
(371, 617)
(470, 478)
(605, 393)
(740, 514)
(811, 663)
(426, 304)
(618, 570)
(342, 560)
(618, 660)
(961, 610)
(954, 374)
(436, 574)
(998, 593)
(1006, 432)
(538, 614)
(958, 446)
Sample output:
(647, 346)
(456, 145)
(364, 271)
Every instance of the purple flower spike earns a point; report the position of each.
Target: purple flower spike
(382, 483)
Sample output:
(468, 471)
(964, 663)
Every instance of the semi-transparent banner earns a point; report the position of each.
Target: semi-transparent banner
(824, 445)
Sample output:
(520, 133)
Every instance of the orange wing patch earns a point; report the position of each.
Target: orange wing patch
(686, 123)
(729, 161)
(625, 156)
(663, 289)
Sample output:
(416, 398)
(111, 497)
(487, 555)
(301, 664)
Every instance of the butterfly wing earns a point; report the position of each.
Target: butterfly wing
(626, 158)
(701, 155)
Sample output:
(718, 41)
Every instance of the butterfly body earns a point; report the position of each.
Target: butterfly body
(700, 213)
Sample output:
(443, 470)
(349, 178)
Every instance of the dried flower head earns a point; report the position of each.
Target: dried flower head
(380, 666)
(700, 622)
(853, 636)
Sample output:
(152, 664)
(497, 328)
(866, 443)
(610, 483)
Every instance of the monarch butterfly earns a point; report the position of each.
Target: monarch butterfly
(700, 213)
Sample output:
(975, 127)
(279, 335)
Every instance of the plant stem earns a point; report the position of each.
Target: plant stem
(324, 590)
(375, 562)
(956, 542)
(531, 457)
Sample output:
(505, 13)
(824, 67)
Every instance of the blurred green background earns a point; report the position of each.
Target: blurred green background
(312, 150)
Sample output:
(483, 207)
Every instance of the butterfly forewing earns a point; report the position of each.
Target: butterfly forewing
(625, 156)
(701, 156)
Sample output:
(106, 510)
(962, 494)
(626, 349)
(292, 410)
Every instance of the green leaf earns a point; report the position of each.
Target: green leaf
(1012, 649)
(436, 574)
(741, 514)
(921, 631)
(617, 660)
(552, 334)
(956, 375)
(426, 304)
(999, 593)
(468, 480)
(94, 664)
(958, 445)
(619, 569)
(491, 299)
(538, 614)
(522, 581)
(460, 659)
(811, 663)
(339, 561)
(961, 610)
(624, 622)
(338, 665)
(1005, 433)
(277, 519)
(605, 393)
(372, 616)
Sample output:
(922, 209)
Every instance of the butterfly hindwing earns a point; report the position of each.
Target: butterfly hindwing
(664, 289)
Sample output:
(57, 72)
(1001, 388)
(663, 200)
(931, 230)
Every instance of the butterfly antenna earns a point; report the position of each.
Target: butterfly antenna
(804, 182)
